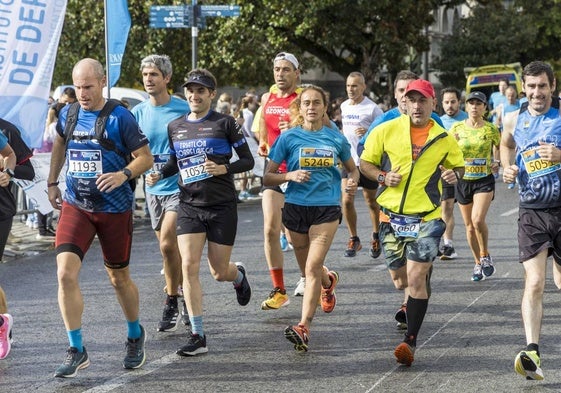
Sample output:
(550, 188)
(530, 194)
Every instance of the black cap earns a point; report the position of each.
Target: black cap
(477, 95)
(199, 79)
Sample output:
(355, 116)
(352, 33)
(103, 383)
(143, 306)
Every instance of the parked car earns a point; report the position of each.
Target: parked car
(131, 96)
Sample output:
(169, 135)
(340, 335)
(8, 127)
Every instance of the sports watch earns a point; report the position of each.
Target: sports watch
(127, 173)
(382, 177)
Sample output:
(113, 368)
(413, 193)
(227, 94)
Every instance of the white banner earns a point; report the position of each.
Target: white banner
(29, 36)
(36, 189)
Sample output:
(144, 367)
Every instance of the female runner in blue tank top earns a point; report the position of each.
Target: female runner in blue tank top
(312, 209)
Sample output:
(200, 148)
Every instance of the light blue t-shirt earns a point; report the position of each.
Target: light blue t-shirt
(449, 120)
(319, 152)
(153, 121)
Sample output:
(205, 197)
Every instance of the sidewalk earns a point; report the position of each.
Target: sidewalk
(23, 242)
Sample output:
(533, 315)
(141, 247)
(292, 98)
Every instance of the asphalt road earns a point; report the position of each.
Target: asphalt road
(470, 336)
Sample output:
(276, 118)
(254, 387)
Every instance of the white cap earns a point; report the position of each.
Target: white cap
(288, 57)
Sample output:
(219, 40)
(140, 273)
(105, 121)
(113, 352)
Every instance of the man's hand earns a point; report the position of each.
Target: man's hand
(393, 178)
(448, 175)
(107, 182)
(510, 173)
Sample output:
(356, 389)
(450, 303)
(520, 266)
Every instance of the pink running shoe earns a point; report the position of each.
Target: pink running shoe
(5, 339)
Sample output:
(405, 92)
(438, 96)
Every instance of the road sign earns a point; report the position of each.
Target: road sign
(170, 16)
(220, 10)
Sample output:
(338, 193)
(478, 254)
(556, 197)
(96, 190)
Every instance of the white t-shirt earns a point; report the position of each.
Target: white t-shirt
(355, 116)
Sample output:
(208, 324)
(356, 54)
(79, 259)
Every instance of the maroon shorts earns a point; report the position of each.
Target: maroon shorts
(77, 228)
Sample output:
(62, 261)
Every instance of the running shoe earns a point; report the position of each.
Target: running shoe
(401, 317)
(328, 298)
(405, 354)
(277, 299)
(136, 356)
(477, 273)
(169, 317)
(195, 345)
(527, 364)
(184, 313)
(448, 253)
(487, 265)
(353, 246)
(298, 335)
(285, 246)
(243, 291)
(5, 335)
(375, 248)
(74, 361)
(300, 287)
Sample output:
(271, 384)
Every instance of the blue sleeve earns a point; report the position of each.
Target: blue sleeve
(3, 141)
(437, 119)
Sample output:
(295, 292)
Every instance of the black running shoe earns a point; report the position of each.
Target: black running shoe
(170, 315)
(243, 291)
(196, 345)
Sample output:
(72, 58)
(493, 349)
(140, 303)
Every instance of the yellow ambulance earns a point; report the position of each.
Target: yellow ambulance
(486, 78)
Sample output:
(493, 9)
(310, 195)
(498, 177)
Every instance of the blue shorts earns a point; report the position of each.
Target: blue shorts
(423, 248)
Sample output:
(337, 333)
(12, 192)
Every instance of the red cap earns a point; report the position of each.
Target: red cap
(422, 86)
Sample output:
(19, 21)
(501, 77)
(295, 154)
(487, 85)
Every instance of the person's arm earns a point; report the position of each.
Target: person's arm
(263, 137)
(8, 162)
(508, 148)
(24, 171)
(142, 161)
(353, 176)
(57, 162)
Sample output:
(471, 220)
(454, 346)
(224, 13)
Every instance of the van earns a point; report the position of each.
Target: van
(486, 78)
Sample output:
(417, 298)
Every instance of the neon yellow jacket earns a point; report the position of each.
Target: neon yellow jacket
(389, 146)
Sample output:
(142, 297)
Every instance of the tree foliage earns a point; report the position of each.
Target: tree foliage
(344, 36)
(525, 30)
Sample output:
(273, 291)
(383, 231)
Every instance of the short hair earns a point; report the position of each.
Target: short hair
(404, 75)
(93, 64)
(161, 62)
(356, 74)
(451, 90)
(70, 92)
(536, 68)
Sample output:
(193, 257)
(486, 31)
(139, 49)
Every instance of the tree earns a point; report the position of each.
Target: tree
(343, 35)
(524, 31)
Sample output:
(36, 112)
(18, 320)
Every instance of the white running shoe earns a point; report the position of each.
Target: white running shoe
(300, 286)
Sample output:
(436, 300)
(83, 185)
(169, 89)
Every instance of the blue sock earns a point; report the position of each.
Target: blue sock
(238, 279)
(75, 338)
(133, 329)
(197, 325)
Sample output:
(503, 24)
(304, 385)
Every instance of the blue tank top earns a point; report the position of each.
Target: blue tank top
(539, 180)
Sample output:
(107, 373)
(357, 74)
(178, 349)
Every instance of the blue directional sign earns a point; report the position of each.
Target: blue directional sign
(170, 16)
(220, 10)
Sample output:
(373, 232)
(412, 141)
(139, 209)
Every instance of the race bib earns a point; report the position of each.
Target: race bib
(311, 158)
(475, 168)
(85, 164)
(537, 166)
(191, 169)
(405, 226)
(159, 161)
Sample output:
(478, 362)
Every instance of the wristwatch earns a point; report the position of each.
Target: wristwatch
(127, 173)
(382, 177)
(10, 172)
